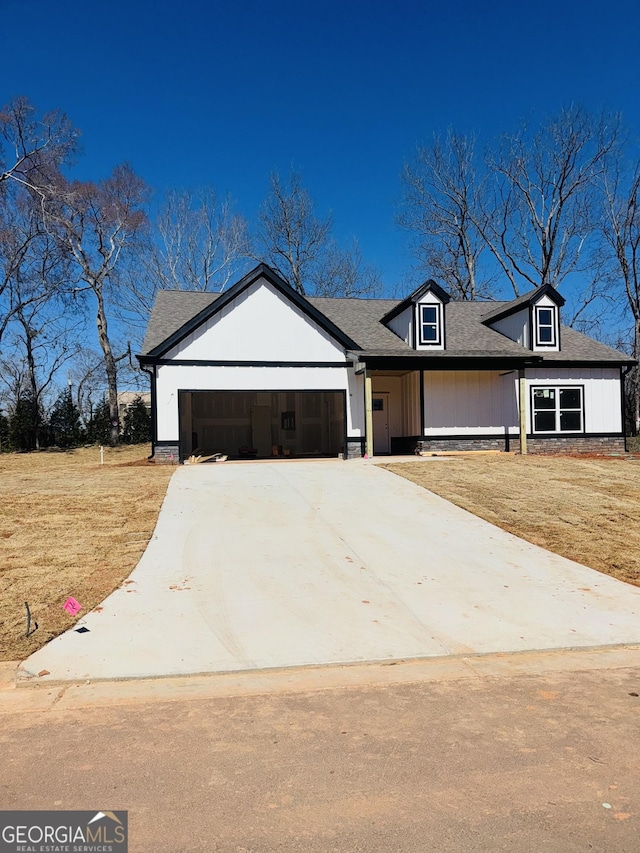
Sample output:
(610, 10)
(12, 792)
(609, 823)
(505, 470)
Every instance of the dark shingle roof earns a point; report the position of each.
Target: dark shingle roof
(171, 310)
(578, 347)
(359, 319)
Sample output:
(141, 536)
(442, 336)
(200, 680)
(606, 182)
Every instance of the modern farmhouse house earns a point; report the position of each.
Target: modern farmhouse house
(261, 371)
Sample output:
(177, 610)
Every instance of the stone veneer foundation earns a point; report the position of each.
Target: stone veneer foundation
(600, 444)
(168, 454)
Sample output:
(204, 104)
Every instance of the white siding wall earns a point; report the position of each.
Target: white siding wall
(355, 405)
(484, 402)
(515, 327)
(411, 402)
(470, 402)
(173, 378)
(259, 325)
(602, 400)
(402, 325)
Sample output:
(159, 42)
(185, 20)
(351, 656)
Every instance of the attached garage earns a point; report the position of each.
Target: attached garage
(262, 424)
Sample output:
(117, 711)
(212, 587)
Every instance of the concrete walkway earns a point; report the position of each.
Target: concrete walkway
(285, 564)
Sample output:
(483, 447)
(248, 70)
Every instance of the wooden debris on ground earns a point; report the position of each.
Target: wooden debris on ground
(213, 457)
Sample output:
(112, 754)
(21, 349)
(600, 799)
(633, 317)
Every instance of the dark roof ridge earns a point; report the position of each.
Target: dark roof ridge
(185, 290)
(356, 298)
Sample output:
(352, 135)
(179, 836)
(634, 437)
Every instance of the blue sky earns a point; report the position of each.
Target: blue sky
(195, 93)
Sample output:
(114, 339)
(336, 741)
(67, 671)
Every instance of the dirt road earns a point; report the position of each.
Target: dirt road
(415, 760)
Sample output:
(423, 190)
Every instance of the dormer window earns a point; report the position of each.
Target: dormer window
(419, 320)
(545, 323)
(532, 320)
(430, 324)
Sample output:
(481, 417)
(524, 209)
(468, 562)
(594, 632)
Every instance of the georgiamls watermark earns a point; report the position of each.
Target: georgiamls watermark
(63, 832)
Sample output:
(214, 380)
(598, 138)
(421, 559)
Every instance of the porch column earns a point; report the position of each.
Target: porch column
(522, 405)
(368, 414)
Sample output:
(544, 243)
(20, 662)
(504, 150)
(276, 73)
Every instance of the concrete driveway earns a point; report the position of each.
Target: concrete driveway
(300, 563)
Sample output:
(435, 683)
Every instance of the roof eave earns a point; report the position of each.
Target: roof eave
(461, 360)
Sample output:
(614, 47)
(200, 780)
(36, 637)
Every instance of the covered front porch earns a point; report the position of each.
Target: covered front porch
(418, 409)
(395, 411)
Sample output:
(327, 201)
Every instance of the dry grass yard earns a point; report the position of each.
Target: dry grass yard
(70, 527)
(584, 509)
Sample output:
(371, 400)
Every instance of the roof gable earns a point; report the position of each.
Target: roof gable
(218, 302)
(429, 286)
(522, 302)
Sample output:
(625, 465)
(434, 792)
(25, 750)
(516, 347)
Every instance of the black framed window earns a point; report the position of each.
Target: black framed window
(430, 324)
(546, 326)
(557, 409)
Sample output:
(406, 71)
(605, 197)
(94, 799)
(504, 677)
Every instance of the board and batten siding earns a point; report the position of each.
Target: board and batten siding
(470, 402)
(486, 402)
(602, 393)
(411, 402)
(260, 324)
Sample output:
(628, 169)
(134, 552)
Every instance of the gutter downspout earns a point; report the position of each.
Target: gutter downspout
(154, 421)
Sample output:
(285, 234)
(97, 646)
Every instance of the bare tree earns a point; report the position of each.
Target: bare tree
(299, 245)
(87, 379)
(540, 214)
(290, 232)
(197, 242)
(345, 273)
(202, 241)
(621, 231)
(32, 151)
(96, 223)
(18, 231)
(43, 340)
(34, 148)
(441, 208)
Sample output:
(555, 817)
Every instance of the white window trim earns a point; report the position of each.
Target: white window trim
(557, 410)
(554, 325)
(438, 324)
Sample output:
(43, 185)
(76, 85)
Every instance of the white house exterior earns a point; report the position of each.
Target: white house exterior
(260, 371)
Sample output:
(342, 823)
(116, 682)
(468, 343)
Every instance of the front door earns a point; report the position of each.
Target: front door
(380, 407)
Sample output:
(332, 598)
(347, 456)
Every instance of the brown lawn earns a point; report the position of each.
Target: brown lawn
(584, 509)
(70, 527)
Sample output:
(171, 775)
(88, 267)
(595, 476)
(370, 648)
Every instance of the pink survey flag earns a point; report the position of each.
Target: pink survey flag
(72, 606)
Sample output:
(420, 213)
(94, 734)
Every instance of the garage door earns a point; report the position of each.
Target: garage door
(262, 424)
